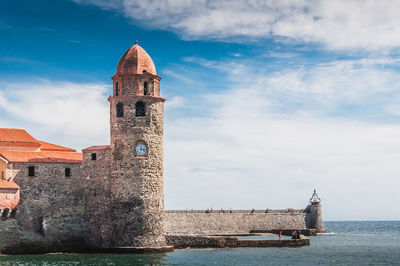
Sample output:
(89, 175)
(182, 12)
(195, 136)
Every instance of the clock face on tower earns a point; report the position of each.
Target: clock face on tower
(141, 149)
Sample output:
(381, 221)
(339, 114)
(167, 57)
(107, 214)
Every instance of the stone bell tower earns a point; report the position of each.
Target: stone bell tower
(136, 123)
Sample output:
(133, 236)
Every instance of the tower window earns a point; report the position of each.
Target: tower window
(2, 175)
(13, 213)
(116, 89)
(67, 172)
(5, 213)
(145, 88)
(31, 171)
(120, 109)
(94, 157)
(140, 109)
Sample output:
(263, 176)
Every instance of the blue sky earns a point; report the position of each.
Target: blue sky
(266, 100)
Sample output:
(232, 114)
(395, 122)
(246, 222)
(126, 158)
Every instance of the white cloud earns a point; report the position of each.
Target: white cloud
(244, 161)
(340, 82)
(339, 24)
(75, 114)
(174, 102)
(177, 76)
(366, 84)
(251, 152)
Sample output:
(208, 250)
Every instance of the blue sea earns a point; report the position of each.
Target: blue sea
(348, 243)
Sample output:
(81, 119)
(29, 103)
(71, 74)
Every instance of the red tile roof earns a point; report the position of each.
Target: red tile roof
(8, 184)
(17, 137)
(45, 146)
(49, 153)
(41, 156)
(97, 148)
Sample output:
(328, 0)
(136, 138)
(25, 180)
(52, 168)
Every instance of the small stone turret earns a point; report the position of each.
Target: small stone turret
(314, 214)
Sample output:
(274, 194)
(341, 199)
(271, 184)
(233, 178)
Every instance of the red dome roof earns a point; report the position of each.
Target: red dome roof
(135, 61)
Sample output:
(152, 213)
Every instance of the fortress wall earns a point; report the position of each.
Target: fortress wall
(96, 174)
(237, 222)
(9, 233)
(51, 214)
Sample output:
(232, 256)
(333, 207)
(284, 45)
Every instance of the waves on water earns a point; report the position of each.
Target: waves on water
(327, 234)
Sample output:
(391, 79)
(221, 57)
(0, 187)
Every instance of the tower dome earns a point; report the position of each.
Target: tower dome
(135, 61)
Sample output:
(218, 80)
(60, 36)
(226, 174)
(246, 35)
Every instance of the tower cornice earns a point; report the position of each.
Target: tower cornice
(117, 76)
(135, 97)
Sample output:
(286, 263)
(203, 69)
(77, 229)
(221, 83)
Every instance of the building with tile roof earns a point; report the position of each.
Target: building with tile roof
(18, 149)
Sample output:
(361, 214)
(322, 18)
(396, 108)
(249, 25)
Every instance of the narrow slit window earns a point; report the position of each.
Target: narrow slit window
(140, 109)
(116, 89)
(2, 175)
(120, 109)
(31, 171)
(94, 157)
(67, 172)
(146, 88)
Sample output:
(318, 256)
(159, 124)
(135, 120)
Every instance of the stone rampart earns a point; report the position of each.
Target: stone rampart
(96, 176)
(51, 216)
(239, 211)
(231, 223)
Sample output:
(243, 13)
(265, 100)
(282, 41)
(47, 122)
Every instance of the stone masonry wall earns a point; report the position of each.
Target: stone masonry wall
(137, 181)
(314, 218)
(237, 222)
(96, 174)
(195, 241)
(51, 216)
(134, 85)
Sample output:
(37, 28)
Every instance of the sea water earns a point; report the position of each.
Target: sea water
(348, 243)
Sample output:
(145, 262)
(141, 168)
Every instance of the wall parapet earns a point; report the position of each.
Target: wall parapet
(277, 211)
(238, 222)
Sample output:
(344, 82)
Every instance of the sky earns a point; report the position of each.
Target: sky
(266, 100)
